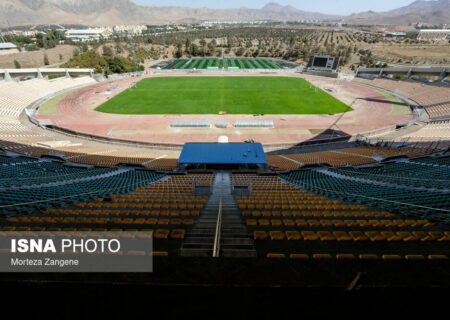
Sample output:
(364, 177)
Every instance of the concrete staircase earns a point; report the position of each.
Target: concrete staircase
(236, 241)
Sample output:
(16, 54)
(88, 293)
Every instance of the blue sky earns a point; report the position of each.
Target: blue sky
(324, 6)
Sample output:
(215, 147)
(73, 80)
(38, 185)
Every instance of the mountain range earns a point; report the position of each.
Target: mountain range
(431, 12)
(117, 12)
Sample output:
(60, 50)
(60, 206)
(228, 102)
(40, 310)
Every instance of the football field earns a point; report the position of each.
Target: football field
(234, 95)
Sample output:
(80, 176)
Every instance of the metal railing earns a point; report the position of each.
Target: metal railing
(216, 248)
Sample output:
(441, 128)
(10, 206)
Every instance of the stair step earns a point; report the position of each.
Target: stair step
(195, 252)
(197, 246)
(232, 253)
(236, 241)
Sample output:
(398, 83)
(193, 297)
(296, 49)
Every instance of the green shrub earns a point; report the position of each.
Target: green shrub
(92, 60)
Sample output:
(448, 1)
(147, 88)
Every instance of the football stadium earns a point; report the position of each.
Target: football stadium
(257, 181)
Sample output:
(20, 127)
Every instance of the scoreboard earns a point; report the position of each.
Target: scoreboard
(323, 63)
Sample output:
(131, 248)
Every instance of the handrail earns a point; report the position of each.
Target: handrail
(216, 248)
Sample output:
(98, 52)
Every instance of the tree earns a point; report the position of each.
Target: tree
(84, 47)
(193, 49)
(116, 65)
(240, 52)
(17, 64)
(179, 52)
(46, 61)
(107, 51)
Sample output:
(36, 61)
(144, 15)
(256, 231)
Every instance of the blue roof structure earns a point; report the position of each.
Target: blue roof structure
(222, 153)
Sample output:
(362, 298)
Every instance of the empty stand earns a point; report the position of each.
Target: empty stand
(434, 97)
(288, 222)
(341, 157)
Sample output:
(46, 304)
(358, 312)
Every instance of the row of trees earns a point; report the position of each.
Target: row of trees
(42, 41)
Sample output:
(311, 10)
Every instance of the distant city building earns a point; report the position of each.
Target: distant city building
(132, 29)
(88, 34)
(8, 48)
(212, 23)
(26, 33)
(395, 34)
(433, 34)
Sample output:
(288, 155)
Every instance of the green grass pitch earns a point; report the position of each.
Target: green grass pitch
(234, 95)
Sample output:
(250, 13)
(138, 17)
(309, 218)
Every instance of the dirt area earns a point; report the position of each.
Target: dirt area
(428, 54)
(34, 59)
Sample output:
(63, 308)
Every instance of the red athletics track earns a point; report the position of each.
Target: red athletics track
(76, 112)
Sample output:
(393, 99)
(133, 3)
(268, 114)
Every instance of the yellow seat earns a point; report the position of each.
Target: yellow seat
(338, 223)
(358, 236)
(177, 234)
(252, 222)
(260, 235)
(175, 221)
(368, 256)
(414, 256)
(188, 221)
(326, 223)
(163, 221)
(437, 257)
(322, 256)
(391, 257)
(342, 236)
(276, 235)
(391, 236)
(422, 235)
(256, 213)
(293, 235)
(263, 222)
(276, 255)
(375, 236)
(326, 236)
(435, 235)
(301, 223)
(310, 236)
(313, 223)
(350, 223)
(160, 254)
(407, 236)
(276, 222)
(342, 256)
(445, 237)
(289, 222)
(266, 213)
(161, 234)
(298, 256)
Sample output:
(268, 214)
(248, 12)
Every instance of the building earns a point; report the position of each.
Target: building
(88, 34)
(395, 35)
(433, 34)
(8, 48)
(133, 29)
